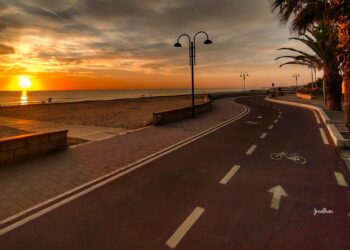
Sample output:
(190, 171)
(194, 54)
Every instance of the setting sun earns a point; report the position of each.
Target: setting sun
(24, 82)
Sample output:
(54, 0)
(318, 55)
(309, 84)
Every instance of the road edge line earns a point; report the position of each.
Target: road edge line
(105, 179)
(337, 138)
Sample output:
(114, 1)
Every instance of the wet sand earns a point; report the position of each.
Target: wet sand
(127, 113)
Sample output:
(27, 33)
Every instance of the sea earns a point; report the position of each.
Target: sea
(10, 98)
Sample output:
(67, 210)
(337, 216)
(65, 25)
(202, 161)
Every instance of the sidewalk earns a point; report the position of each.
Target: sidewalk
(90, 133)
(26, 184)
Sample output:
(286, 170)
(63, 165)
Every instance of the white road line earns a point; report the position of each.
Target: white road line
(263, 135)
(271, 127)
(251, 150)
(317, 118)
(184, 228)
(340, 179)
(229, 175)
(324, 137)
(105, 179)
(349, 215)
(275, 121)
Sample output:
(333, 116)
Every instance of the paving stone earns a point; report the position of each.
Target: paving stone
(40, 179)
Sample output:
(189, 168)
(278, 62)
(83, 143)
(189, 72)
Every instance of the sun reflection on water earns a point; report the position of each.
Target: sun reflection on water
(24, 98)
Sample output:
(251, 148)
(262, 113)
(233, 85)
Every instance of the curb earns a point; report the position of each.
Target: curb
(337, 138)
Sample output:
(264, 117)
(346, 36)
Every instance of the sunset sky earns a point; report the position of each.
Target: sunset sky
(128, 44)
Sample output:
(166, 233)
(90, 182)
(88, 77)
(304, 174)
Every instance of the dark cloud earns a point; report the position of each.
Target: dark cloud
(245, 33)
(4, 49)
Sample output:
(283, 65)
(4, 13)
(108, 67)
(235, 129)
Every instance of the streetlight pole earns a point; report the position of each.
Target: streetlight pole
(296, 81)
(244, 75)
(312, 76)
(192, 53)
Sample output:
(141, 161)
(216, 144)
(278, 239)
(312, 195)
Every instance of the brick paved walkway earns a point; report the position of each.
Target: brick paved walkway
(90, 133)
(27, 184)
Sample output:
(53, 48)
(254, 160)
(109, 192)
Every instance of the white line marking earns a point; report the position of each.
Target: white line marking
(317, 118)
(251, 150)
(263, 135)
(184, 228)
(229, 175)
(271, 127)
(340, 179)
(275, 121)
(108, 178)
(349, 215)
(324, 137)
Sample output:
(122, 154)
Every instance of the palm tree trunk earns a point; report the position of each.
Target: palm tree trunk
(333, 81)
(346, 81)
(342, 8)
(344, 57)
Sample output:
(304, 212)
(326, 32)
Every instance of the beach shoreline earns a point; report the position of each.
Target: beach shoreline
(129, 113)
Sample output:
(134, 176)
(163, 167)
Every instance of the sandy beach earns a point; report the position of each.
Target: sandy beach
(127, 113)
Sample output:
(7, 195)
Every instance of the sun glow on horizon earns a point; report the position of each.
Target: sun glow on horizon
(24, 82)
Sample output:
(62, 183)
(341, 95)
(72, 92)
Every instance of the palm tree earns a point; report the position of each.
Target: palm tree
(322, 41)
(335, 11)
(341, 10)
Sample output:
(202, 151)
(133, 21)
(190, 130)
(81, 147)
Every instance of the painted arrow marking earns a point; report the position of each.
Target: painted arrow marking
(277, 192)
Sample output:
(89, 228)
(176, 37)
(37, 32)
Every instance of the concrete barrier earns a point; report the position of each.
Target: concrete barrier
(23, 147)
(168, 116)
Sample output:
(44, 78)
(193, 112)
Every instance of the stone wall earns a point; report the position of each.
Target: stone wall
(22, 147)
(168, 116)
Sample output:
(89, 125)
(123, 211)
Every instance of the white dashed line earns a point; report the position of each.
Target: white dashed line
(340, 179)
(229, 175)
(271, 127)
(185, 227)
(275, 121)
(263, 135)
(324, 137)
(251, 150)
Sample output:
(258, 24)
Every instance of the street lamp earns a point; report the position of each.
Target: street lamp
(296, 81)
(192, 55)
(244, 75)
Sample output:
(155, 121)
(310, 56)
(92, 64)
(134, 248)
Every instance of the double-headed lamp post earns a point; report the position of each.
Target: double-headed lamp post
(244, 75)
(192, 55)
(296, 81)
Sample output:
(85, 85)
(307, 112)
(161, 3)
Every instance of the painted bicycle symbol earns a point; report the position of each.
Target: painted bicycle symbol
(292, 157)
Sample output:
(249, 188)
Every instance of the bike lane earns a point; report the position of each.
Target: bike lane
(142, 209)
(251, 219)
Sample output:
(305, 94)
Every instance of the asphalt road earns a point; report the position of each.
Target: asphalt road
(232, 189)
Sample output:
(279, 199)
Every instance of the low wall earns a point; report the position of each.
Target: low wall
(168, 116)
(23, 147)
(304, 96)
